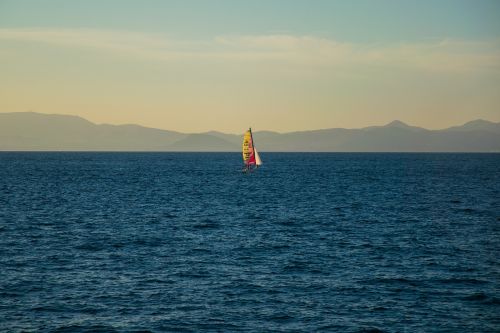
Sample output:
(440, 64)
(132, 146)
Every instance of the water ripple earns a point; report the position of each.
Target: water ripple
(154, 242)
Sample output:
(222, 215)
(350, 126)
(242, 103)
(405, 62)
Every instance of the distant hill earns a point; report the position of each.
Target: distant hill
(35, 131)
(30, 131)
(203, 142)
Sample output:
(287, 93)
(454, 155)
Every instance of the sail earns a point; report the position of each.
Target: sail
(248, 151)
(258, 161)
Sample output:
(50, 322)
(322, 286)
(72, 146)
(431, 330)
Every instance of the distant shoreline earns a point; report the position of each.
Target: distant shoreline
(30, 131)
(234, 152)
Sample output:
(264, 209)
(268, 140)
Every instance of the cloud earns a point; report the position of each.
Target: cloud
(283, 50)
(443, 55)
(123, 42)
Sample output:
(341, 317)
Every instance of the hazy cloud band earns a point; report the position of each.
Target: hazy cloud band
(308, 51)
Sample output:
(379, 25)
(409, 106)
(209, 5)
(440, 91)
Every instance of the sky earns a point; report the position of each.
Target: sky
(225, 65)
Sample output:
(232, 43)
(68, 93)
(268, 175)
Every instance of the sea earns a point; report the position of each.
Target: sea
(309, 242)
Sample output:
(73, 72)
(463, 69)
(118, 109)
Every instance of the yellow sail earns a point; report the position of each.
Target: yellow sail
(248, 147)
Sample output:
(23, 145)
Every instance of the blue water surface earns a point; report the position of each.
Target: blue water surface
(127, 242)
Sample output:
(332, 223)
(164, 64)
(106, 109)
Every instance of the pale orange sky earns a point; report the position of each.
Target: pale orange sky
(228, 79)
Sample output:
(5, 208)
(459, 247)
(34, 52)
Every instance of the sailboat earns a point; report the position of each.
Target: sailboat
(251, 157)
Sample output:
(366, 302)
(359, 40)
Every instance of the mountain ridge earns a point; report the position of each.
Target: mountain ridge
(45, 132)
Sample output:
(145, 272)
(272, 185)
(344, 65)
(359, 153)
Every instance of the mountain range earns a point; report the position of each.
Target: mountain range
(30, 131)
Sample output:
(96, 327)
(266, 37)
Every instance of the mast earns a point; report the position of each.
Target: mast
(253, 146)
(251, 136)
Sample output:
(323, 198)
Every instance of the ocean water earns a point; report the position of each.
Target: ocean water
(128, 242)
